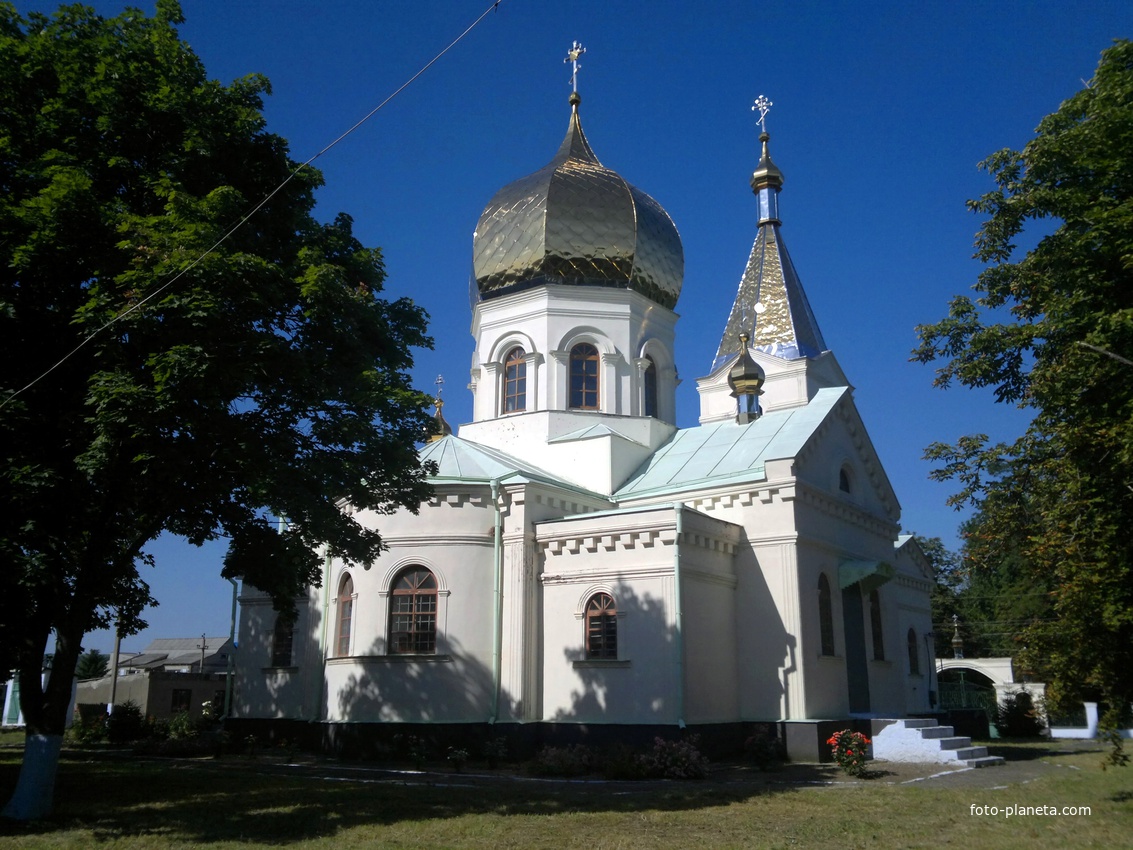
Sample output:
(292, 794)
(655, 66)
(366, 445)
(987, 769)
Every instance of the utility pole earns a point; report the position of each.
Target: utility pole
(202, 646)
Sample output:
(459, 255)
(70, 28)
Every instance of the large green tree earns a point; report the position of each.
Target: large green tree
(1051, 330)
(198, 398)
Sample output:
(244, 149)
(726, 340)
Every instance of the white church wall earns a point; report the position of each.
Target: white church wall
(263, 689)
(453, 537)
(618, 322)
(708, 618)
(911, 588)
(823, 675)
(629, 555)
(767, 623)
(886, 676)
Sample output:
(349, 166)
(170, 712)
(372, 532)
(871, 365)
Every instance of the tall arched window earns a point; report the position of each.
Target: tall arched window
(601, 627)
(515, 381)
(282, 639)
(584, 377)
(844, 483)
(650, 381)
(875, 625)
(413, 612)
(914, 654)
(345, 613)
(825, 615)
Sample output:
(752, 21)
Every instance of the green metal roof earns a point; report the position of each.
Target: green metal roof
(727, 452)
(460, 460)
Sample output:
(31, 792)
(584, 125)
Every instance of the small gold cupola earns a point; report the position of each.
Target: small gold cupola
(746, 379)
(443, 429)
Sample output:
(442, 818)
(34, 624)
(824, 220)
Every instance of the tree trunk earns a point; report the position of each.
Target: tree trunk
(35, 789)
(45, 715)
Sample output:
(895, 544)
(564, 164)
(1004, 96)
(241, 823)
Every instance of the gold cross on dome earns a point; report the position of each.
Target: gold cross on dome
(762, 105)
(572, 56)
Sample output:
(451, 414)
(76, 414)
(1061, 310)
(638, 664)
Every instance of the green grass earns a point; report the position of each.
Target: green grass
(111, 802)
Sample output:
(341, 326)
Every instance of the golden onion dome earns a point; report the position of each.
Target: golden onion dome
(577, 223)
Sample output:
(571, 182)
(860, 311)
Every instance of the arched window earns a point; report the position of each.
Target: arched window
(413, 613)
(650, 381)
(282, 639)
(584, 377)
(844, 480)
(875, 625)
(515, 381)
(825, 615)
(345, 613)
(914, 655)
(601, 627)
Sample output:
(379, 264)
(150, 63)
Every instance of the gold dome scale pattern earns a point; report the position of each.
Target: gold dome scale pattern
(576, 222)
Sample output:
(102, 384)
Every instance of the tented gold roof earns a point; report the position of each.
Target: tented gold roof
(771, 306)
(578, 223)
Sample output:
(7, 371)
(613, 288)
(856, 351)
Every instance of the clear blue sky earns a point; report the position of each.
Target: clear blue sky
(882, 111)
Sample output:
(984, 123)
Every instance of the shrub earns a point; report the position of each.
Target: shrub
(563, 761)
(89, 730)
(181, 725)
(764, 750)
(1017, 718)
(495, 751)
(851, 751)
(125, 723)
(457, 757)
(620, 762)
(675, 760)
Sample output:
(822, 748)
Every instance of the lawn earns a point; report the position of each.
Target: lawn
(108, 800)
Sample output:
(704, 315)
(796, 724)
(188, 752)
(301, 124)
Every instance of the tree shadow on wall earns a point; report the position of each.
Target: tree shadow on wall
(638, 687)
(262, 690)
(445, 699)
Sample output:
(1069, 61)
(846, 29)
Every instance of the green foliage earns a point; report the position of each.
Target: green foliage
(211, 384)
(576, 760)
(1052, 331)
(89, 728)
(92, 665)
(1017, 717)
(765, 750)
(125, 723)
(675, 759)
(182, 725)
(457, 757)
(495, 750)
(851, 751)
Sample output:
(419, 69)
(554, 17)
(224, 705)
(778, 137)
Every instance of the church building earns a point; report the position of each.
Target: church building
(586, 567)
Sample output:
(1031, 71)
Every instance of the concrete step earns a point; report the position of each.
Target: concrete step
(955, 743)
(965, 753)
(936, 731)
(918, 722)
(984, 761)
(923, 740)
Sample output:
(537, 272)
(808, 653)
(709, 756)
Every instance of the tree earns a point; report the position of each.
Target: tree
(1052, 331)
(92, 665)
(949, 583)
(199, 398)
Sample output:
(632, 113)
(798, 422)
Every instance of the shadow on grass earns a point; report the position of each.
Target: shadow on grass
(203, 801)
(1030, 749)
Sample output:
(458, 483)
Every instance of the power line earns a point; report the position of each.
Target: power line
(249, 214)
